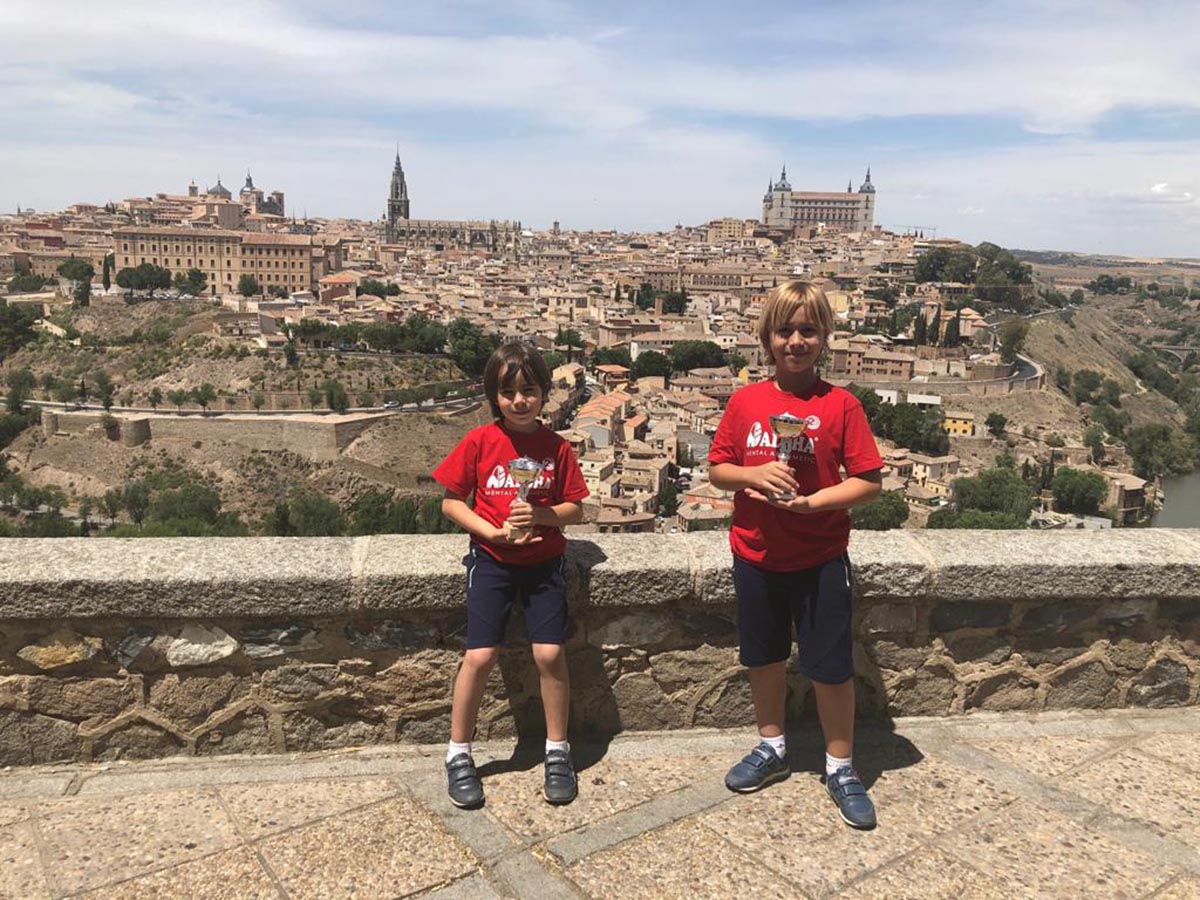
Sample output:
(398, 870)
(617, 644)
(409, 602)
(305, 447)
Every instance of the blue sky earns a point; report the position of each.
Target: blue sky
(1054, 124)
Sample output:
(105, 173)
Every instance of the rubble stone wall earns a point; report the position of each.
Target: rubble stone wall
(152, 647)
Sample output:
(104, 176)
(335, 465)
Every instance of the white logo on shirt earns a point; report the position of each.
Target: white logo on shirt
(813, 423)
(500, 479)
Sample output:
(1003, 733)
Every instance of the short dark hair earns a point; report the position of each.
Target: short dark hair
(506, 363)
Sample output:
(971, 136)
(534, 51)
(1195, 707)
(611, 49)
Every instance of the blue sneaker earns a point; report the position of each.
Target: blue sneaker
(761, 767)
(850, 795)
(463, 783)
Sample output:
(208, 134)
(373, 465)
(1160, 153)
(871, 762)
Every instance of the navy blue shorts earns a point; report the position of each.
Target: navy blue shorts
(493, 586)
(816, 601)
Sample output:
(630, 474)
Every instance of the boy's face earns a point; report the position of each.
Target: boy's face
(520, 402)
(797, 343)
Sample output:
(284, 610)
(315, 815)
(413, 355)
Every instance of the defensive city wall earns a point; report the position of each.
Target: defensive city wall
(317, 438)
(126, 648)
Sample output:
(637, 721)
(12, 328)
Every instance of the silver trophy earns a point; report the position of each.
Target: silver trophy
(788, 430)
(524, 472)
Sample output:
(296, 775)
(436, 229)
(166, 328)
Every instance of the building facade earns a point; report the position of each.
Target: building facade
(833, 210)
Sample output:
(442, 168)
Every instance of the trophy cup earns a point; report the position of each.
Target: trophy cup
(788, 431)
(524, 471)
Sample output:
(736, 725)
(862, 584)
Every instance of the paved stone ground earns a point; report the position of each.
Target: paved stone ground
(995, 805)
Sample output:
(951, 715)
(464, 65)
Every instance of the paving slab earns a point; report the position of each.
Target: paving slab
(677, 863)
(391, 849)
(1145, 789)
(926, 874)
(265, 809)
(1041, 853)
(91, 843)
(20, 868)
(230, 875)
(1050, 755)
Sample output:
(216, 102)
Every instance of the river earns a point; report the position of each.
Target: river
(1182, 509)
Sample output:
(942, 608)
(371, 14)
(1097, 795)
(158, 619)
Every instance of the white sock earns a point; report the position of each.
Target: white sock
(833, 763)
(564, 746)
(778, 744)
(456, 748)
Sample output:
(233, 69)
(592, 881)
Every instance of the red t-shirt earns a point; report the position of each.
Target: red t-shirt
(838, 437)
(480, 463)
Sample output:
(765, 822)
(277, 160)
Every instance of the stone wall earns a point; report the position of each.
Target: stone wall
(315, 438)
(139, 648)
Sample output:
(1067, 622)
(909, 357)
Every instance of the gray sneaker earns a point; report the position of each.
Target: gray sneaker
(761, 767)
(463, 783)
(560, 785)
(848, 792)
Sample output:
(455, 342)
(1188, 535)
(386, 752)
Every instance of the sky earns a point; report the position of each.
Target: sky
(1040, 125)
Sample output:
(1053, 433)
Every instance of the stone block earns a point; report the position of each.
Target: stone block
(331, 728)
(927, 692)
(198, 645)
(979, 648)
(397, 573)
(61, 648)
(426, 677)
(1130, 654)
(175, 577)
(712, 566)
(642, 704)
(897, 657)
(28, 739)
(1061, 614)
(1086, 565)
(679, 670)
(73, 698)
(887, 618)
(728, 705)
(1087, 686)
(642, 628)
(1126, 612)
(1003, 691)
(1164, 683)
(628, 570)
(247, 733)
(1179, 610)
(189, 699)
(889, 564)
(137, 740)
(959, 614)
(302, 681)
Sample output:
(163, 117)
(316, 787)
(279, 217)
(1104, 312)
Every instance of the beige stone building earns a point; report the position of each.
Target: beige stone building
(290, 261)
(834, 210)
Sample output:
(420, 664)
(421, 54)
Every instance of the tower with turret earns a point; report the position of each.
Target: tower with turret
(788, 209)
(397, 204)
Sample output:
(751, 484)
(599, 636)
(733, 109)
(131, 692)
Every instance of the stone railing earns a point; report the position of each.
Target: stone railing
(138, 648)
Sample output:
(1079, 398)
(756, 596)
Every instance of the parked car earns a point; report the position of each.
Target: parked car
(392, 404)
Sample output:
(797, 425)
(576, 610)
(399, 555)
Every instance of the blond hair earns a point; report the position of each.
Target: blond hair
(782, 304)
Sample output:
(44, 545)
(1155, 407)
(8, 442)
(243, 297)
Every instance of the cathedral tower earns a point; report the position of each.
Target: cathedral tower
(397, 205)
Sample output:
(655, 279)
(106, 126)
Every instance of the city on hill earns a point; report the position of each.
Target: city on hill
(207, 362)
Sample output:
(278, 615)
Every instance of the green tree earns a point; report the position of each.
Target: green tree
(688, 355)
(920, 328)
(75, 269)
(278, 522)
(995, 490)
(315, 396)
(177, 398)
(470, 347)
(136, 500)
(103, 388)
(935, 327)
(889, 511)
(193, 282)
(1093, 439)
(16, 327)
(651, 363)
(22, 283)
(1077, 491)
(155, 397)
(953, 329)
(996, 423)
(974, 519)
(1012, 338)
(111, 503)
(290, 356)
(20, 388)
(316, 516)
(668, 498)
(204, 395)
(1160, 450)
(371, 513)
(1110, 392)
(1084, 385)
(611, 356)
(106, 271)
(257, 400)
(248, 285)
(335, 395)
(191, 501)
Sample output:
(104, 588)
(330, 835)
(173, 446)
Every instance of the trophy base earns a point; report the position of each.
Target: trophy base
(784, 496)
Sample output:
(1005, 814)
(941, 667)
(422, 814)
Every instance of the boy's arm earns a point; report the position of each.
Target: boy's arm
(856, 489)
(523, 514)
(455, 508)
(769, 478)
